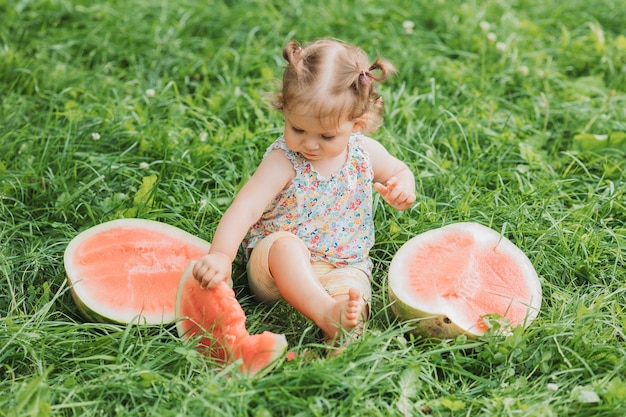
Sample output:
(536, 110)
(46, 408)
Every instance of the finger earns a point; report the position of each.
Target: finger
(392, 183)
(396, 193)
(206, 283)
(206, 277)
(212, 279)
(198, 272)
(380, 188)
(407, 201)
(194, 270)
(201, 263)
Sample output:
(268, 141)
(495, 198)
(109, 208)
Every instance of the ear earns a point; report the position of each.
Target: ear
(360, 122)
(279, 102)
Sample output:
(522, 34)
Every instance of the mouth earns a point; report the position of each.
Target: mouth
(308, 155)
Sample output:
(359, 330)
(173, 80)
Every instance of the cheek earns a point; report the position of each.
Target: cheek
(290, 141)
(335, 148)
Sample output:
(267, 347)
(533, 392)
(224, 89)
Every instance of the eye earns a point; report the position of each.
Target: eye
(328, 137)
(296, 130)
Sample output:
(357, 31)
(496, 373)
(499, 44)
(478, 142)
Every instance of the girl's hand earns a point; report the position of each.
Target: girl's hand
(212, 269)
(396, 195)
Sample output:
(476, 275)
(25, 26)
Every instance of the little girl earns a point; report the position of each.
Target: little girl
(305, 216)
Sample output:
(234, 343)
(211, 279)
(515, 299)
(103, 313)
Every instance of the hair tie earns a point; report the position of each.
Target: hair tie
(365, 78)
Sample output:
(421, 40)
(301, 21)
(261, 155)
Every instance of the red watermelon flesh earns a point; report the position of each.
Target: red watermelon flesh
(452, 277)
(128, 269)
(217, 317)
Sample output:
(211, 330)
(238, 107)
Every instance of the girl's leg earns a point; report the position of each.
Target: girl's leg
(289, 263)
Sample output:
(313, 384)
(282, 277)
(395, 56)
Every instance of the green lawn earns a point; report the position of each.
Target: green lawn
(498, 107)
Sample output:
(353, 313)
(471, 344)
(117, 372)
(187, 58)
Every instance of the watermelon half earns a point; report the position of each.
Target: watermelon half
(217, 319)
(128, 270)
(449, 281)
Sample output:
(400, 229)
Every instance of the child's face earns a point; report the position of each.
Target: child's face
(315, 139)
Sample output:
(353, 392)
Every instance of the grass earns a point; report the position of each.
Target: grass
(496, 120)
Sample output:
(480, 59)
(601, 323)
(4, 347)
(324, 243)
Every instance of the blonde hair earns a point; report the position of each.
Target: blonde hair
(333, 80)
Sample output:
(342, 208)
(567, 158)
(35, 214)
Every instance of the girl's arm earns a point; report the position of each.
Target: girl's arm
(392, 178)
(273, 174)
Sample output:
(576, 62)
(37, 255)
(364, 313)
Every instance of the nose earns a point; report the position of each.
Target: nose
(310, 144)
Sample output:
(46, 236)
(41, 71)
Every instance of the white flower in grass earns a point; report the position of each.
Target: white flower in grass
(408, 26)
(524, 70)
(491, 37)
(500, 46)
(95, 136)
(144, 165)
(203, 137)
(585, 395)
(203, 203)
(150, 92)
(552, 387)
(484, 26)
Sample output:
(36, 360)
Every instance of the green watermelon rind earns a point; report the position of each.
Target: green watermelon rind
(426, 325)
(89, 308)
(438, 324)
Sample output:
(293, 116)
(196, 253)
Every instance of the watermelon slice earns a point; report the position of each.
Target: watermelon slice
(449, 281)
(216, 317)
(128, 270)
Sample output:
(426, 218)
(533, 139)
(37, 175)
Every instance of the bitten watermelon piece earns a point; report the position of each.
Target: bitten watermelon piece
(447, 280)
(216, 317)
(127, 270)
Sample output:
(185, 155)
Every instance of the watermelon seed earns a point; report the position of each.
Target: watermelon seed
(447, 320)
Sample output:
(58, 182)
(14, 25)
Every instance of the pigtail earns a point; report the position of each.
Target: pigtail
(371, 103)
(292, 52)
(380, 70)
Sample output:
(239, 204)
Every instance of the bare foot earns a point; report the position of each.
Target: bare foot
(347, 313)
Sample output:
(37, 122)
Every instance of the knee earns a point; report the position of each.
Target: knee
(288, 246)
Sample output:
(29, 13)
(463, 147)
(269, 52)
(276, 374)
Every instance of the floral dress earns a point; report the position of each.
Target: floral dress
(331, 214)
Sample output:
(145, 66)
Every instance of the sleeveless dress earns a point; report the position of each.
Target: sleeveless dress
(333, 214)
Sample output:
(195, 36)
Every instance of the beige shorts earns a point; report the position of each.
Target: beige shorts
(336, 281)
